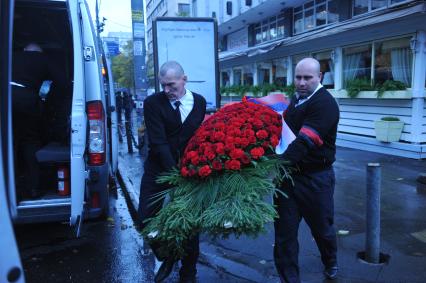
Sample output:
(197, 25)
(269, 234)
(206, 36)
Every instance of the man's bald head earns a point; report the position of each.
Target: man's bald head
(307, 76)
(309, 63)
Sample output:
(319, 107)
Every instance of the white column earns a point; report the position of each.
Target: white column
(231, 77)
(255, 81)
(270, 75)
(338, 68)
(418, 44)
(289, 70)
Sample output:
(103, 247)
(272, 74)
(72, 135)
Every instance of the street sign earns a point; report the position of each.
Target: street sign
(113, 48)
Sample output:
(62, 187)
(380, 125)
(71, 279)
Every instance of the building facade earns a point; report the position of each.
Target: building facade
(378, 42)
(161, 8)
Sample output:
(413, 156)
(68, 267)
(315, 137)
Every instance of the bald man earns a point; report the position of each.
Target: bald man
(312, 115)
(171, 118)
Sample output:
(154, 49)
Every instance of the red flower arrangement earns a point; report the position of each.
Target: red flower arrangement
(227, 169)
(231, 139)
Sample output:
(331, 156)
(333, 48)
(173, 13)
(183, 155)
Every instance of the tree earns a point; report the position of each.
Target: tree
(122, 67)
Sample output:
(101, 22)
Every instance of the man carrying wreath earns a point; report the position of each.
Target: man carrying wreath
(171, 118)
(313, 115)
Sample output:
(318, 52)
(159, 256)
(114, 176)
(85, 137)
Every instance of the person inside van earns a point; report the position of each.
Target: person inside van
(30, 68)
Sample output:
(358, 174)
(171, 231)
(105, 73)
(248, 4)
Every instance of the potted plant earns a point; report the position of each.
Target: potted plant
(388, 129)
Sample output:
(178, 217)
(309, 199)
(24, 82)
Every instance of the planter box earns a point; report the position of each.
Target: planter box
(394, 94)
(388, 131)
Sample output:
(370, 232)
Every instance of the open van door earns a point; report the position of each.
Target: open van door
(78, 120)
(112, 113)
(10, 262)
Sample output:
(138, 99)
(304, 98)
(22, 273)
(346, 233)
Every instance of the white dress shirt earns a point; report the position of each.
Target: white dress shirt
(187, 103)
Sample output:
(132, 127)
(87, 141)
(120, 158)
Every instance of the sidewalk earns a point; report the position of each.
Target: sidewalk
(403, 225)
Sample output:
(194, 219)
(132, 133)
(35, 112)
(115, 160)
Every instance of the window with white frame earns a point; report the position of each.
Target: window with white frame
(357, 63)
(314, 14)
(360, 7)
(392, 60)
(279, 72)
(237, 76)
(248, 75)
(326, 68)
(224, 78)
(264, 73)
(183, 9)
(269, 29)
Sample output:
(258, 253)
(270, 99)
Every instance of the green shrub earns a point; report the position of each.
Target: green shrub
(390, 118)
(353, 87)
(390, 85)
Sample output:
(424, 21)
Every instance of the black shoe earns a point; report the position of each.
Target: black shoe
(164, 270)
(331, 272)
(190, 279)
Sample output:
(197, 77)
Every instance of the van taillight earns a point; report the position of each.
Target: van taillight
(95, 113)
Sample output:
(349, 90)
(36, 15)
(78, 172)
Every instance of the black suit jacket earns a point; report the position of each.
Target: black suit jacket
(168, 137)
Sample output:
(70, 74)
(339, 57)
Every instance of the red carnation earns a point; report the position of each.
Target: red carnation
(262, 134)
(184, 171)
(195, 160)
(219, 136)
(232, 165)
(257, 152)
(245, 159)
(236, 153)
(274, 141)
(204, 171)
(220, 148)
(217, 165)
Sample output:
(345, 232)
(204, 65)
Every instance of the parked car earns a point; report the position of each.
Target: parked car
(78, 158)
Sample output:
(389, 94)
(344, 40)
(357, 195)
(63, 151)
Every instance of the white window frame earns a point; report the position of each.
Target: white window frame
(266, 23)
(373, 51)
(314, 7)
(387, 5)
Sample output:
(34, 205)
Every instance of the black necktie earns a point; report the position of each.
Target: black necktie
(177, 111)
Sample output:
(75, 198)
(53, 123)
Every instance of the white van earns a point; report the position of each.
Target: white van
(78, 158)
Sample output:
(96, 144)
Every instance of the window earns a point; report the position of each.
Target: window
(326, 68)
(247, 75)
(194, 8)
(357, 63)
(360, 7)
(225, 80)
(238, 76)
(315, 14)
(263, 73)
(279, 72)
(183, 9)
(393, 61)
(268, 29)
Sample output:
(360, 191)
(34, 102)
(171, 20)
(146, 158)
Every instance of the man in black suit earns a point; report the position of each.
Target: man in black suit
(171, 118)
(31, 67)
(313, 116)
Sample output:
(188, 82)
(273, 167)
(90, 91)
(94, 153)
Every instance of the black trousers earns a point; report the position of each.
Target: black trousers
(27, 121)
(310, 198)
(146, 210)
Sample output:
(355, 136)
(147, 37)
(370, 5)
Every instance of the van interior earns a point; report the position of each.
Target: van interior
(47, 24)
